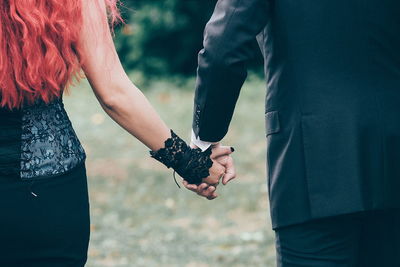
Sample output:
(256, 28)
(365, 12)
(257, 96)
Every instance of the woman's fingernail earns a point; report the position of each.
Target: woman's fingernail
(232, 149)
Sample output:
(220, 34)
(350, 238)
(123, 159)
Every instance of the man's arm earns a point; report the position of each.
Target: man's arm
(222, 69)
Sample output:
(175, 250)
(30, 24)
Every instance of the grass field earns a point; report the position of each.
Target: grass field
(140, 218)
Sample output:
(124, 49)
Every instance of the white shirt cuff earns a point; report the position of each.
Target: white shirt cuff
(203, 145)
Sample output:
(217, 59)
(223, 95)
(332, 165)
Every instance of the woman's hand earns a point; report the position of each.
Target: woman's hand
(219, 156)
(223, 168)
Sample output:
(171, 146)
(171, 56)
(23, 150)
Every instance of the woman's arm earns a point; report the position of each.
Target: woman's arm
(118, 96)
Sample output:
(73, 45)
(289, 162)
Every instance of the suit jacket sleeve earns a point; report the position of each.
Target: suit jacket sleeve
(221, 72)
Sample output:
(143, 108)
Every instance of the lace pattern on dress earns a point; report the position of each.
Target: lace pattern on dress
(49, 145)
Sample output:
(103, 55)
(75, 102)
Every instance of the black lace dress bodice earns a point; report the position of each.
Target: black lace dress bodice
(38, 141)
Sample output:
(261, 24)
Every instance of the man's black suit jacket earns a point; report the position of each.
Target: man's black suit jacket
(332, 108)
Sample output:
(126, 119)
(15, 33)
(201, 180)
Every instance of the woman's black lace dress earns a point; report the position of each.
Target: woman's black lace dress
(43, 189)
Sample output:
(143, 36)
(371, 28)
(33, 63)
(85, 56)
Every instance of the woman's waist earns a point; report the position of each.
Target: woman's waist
(33, 165)
(15, 176)
(38, 141)
(10, 121)
(10, 148)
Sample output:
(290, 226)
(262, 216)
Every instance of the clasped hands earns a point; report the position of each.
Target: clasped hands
(222, 169)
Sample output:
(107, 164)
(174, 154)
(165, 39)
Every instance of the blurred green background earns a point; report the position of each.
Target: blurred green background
(138, 215)
(161, 38)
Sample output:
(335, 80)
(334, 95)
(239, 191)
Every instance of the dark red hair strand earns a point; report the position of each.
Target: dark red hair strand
(39, 52)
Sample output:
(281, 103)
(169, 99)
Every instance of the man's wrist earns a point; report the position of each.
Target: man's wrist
(203, 145)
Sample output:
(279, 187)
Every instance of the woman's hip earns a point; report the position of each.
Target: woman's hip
(45, 218)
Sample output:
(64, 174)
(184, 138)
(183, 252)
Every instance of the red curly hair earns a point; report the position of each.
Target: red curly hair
(39, 52)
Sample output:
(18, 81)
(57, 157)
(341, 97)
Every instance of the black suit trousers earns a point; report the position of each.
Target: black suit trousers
(363, 239)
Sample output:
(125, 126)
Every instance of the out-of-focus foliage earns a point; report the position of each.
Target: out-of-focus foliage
(163, 37)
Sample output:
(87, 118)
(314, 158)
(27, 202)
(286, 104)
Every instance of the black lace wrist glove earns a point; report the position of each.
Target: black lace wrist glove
(191, 164)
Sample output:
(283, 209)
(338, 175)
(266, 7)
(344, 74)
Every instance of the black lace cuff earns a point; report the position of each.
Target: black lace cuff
(191, 164)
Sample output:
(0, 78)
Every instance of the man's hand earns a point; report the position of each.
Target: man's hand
(223, 168)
